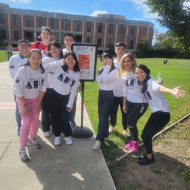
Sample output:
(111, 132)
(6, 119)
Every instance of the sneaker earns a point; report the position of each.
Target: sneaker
(47, 134)
(140, 157)
(72, 123)
(57, 141)
(135, 147)
(126, 133)
(145, 160)
(23, 155)
(106, 139)
(68, 141)
(111, 129)
(34, 143)
(97, 145)
(18, 132)
(129, 145)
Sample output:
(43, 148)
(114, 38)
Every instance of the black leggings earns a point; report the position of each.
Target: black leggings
(155, 124)
(57, 105)
(133, 114)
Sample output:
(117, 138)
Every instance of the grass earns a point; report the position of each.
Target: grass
(3, 56)
(173, 74)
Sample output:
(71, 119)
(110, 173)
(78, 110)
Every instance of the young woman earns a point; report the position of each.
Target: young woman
(27, 84)
(61, 93)
(160, 115)
(55, 54)
(106, 78)
(45, 41)
(134, 102)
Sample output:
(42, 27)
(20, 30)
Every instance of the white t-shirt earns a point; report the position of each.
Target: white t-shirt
(107, 79)
(45, 62)
(155, 98)
(64, 51)
(132, 89)
(28, 82)
(64, 82)
(118, 91)
(15, 62)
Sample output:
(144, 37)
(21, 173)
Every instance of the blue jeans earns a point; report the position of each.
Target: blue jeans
(17, 115)
(9, 55)
(105, 102)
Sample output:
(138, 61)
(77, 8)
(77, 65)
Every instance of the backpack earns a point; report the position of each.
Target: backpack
(37, 45)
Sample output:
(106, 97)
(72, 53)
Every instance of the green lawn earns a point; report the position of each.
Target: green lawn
(174, 75)
(3, 56)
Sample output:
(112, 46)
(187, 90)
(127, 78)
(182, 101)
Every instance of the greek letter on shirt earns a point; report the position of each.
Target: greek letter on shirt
(67, 80)
(34, 83)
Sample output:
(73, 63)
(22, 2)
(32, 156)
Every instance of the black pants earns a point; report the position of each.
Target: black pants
(134, 114)
(57, 105)
(105, 102)
(46, 121)
(118, 101)
(155, 124)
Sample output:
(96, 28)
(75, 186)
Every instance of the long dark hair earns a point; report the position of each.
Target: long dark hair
(57, 45)
(108, 55)
(39, 52)
(147, 71)
(76, 66)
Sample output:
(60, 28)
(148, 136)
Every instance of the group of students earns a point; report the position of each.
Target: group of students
(123, 82)
(45, 78)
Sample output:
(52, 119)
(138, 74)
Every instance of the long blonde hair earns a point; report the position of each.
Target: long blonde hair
(132, 58)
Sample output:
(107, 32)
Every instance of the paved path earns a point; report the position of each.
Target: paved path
(75, 167)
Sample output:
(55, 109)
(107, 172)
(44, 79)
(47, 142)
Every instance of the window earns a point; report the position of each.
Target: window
(65, 25)
(87, 39)
(131, 44)
(53, 23)
(16, 35)
(132, 30)
(99, 42)
(2, 34)
(121, 29)
(41, 22)
(15, 22)
(100, 28)
(2, 18)
(111, 29)
(77, 26)
(28, 21)
(88, 26)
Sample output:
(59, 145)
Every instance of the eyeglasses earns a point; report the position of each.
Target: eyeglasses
(22, 45)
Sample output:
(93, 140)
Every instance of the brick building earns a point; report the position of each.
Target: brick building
(102, 30)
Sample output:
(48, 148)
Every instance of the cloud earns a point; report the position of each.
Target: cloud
(95, 13)
(21, 1)
(138, 8)
(60, 11)
(96, 3)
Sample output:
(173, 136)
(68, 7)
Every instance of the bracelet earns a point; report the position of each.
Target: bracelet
(24, 105)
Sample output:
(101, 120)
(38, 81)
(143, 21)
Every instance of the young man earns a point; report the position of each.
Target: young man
(68, 40)
(15, 62)
(120, 49)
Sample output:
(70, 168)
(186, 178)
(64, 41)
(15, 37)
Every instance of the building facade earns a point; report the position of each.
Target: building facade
(102, 30)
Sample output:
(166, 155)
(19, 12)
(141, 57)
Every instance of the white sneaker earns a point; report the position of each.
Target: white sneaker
(68, 141)
(97, 145)
(47, 134)
(126, 133)
(111, 129)
(57, 141)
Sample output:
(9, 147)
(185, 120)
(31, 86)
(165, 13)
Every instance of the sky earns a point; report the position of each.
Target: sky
(131, 9)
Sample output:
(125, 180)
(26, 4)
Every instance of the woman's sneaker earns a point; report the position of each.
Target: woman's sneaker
(68, 141)
(34, 143)
(135, 147)
(126, 133)
(129, 145)
(111, 129)
(145, 160)
(47, 134)
(97, 145)
(57, 141)
(23, 155)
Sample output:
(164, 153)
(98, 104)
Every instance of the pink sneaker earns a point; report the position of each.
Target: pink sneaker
(129, 145)
(135, 147)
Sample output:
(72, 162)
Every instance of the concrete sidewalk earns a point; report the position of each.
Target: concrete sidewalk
(75, 167)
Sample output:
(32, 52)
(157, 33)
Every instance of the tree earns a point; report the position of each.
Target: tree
(143, 47)
(175, 15)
